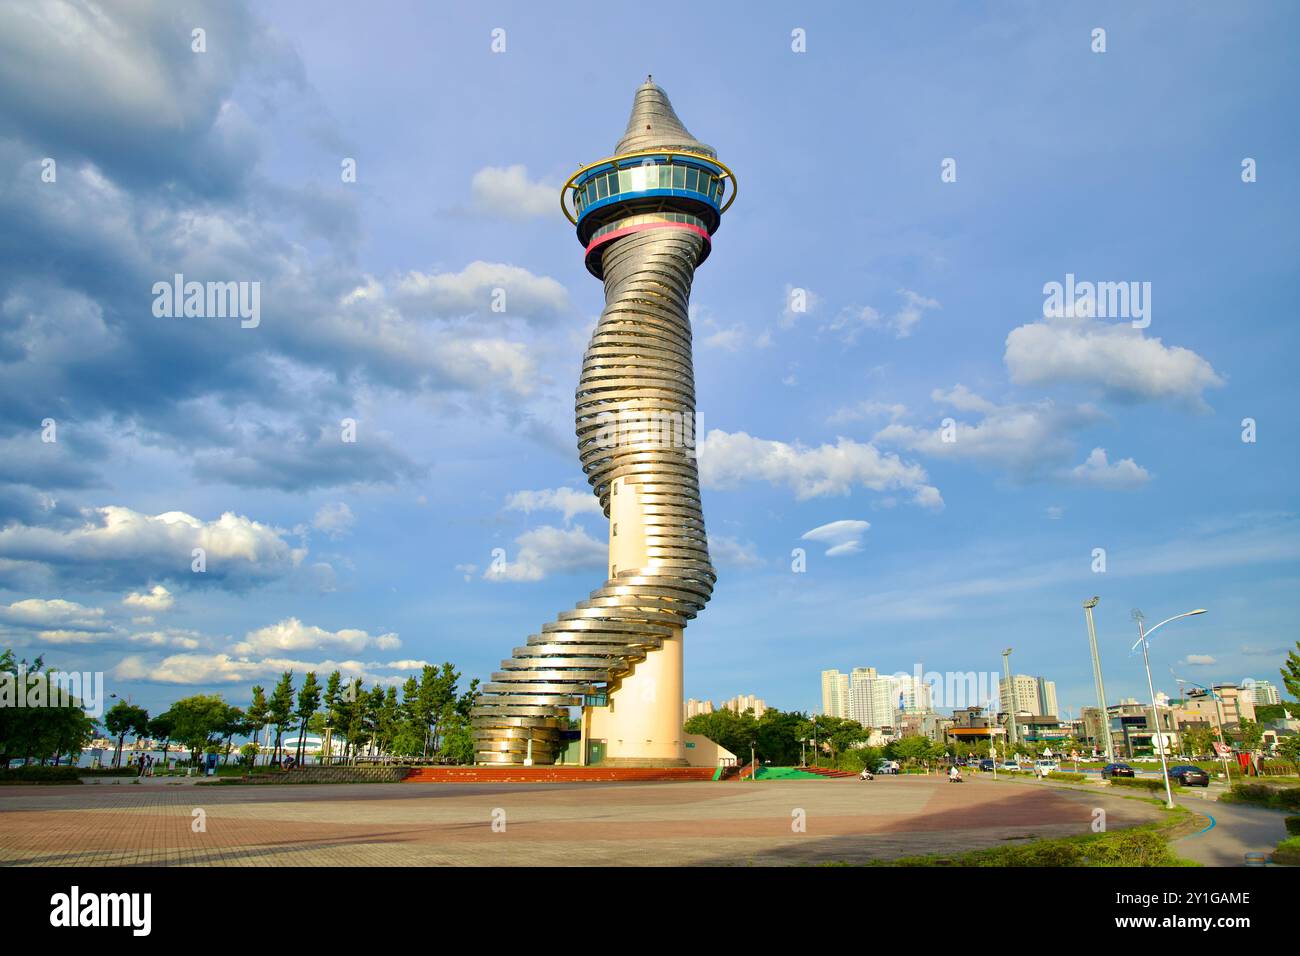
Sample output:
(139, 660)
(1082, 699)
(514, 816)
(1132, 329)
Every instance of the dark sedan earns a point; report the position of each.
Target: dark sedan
(1189, 776)
(986, 764)
(1116, 770)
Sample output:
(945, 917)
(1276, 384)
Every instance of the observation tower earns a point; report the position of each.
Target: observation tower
(645, 218)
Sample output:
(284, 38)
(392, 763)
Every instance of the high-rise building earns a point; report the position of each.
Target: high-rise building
(1264, 692)
(645, 218)
(835, 694)
(744, 702)
(1021, 696)
(695, 707)
(1047, 698)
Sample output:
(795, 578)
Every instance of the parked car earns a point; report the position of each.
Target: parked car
(887, 766)
(1116, 770)
(1045, 767)
(987, 764)
(1009, 766)
(1189, 776)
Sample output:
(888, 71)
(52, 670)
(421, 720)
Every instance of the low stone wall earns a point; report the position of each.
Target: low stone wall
(388, 774)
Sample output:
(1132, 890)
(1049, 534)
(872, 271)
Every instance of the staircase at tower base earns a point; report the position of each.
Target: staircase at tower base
(558, 774)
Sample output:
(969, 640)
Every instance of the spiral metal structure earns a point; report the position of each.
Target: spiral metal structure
(645, 217)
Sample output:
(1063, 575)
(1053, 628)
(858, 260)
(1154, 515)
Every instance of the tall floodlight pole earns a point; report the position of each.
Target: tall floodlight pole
(1011, 696)
(1098, 684)
(1143, 635)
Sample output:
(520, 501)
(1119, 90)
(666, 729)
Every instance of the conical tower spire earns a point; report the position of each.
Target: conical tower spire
(654, 124)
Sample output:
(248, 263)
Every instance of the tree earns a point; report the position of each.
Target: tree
(1251, 734)
(280, 710)
(235, 723)
(308, 701)
(124, 718)
(1289, 748)
(198, 722)
(1198, 739)
(1291, 672)
(161, 728)
(257, 716)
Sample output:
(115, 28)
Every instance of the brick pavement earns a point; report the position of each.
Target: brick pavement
(545, 824)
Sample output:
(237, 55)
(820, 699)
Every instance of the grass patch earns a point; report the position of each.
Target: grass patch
(1143, 845)
(1264, 795)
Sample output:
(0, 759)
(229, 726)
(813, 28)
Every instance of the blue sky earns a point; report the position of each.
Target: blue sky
(925, 303)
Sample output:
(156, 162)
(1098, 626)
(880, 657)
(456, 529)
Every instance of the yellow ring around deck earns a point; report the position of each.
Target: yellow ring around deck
(670, 153)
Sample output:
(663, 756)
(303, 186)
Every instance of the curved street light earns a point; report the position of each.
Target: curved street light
(1144, 639)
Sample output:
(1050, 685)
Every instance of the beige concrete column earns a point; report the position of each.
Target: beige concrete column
(643, 722)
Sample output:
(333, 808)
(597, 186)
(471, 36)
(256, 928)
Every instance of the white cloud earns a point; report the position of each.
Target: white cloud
(1114, 357)
(1030, 440)
(40, 614)
(292, 635)
(548, 550)
(852, 320)
(192, 669)
(727, 459)
(867, 410)
(335, 519)
(168, 637)
(116, 544)
(1100, 473)
(728, 552)
(158, 598)
(474, 291)
(507, 191)
(1200, 660)
(569, 501)
(843, 537)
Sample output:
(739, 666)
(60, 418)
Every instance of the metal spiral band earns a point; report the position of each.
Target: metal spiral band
(637, 367)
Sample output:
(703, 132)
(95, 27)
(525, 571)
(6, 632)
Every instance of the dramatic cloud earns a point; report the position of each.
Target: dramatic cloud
(508, 192)
(484, 289)
(39, 614)
(727, 459)
(1113, 357)
(569, 501)
(542, 552)
(843, 537)
(118, 547)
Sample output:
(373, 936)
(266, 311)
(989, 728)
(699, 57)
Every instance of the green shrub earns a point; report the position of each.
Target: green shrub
(1068, 777)
(1142, 783)
(1288, 852)
(1293, 826)
(1264, 795)
(1278, 768)
(33, 773)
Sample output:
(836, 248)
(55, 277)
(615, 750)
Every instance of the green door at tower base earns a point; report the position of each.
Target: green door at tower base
(595, 751)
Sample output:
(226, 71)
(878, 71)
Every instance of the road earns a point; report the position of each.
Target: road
(1238, 829)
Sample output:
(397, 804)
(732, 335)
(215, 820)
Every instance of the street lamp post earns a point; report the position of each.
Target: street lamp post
(1099, 685)
(1143, 635)
(1011, 697)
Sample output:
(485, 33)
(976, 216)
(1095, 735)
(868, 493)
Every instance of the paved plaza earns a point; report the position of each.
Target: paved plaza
(721, 824)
